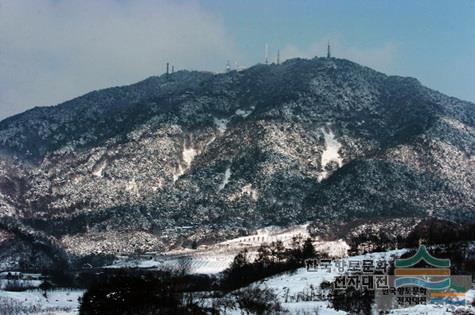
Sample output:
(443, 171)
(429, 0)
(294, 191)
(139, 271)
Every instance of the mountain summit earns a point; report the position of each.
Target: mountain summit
(197, 156)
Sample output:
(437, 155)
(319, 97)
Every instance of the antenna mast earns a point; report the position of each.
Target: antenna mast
(278, 56)
(328, 50)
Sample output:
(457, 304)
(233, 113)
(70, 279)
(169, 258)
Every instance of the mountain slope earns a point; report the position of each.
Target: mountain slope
(205, 156)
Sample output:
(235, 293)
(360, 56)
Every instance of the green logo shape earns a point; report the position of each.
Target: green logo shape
(422, 254)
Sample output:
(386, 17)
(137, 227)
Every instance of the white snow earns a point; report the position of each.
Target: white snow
(268, 235)
(291, 284)
(221, 124)
(216, 258)
(64, 301)
(333, 248)
(300, 308)
(301, 279)
(132, 187)
(332, 146)
(97, 171)
(291, 288)
(199, 262)
(311, 307)
(248, 190)
(470, 295)
(211, 265)
(227, 175)
(433, 309)
(189, 155)
(211, 140)
(159, 185)
(244, 113)
(178, 173)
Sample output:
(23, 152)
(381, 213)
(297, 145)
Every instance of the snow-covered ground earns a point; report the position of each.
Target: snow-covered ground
(311, 307)
(221, 124)
(296, 291)
(301, 308)
(432, 309)
(293, 289)
(218, 257)
(227, 175)
(58, 302)
(244, 112)
(330, 154)
(292, 286)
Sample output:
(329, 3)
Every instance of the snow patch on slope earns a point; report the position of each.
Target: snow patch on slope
(249, 191)
(189, 155)
(227, 175)
(221, 124)
(330, 154)
(98, 168)
(132, 187)
(178, 172)
(159, 185)
(244, 113)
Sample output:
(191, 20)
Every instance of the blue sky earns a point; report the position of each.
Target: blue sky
(54, 50)
(431, 40)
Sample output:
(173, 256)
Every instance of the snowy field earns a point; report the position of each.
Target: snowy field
(216, 258)
(293, 288)
(433, 310)
(57, 302)
(297, 291)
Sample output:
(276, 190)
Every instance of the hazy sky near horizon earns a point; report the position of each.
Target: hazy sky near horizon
(54, 50)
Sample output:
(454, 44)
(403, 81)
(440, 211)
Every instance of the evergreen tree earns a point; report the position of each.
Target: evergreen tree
(264, 255)
(241, 260)
(308, 250)
(278, 251)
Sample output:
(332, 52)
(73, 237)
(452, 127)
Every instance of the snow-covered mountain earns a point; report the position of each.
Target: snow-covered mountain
(197, 156)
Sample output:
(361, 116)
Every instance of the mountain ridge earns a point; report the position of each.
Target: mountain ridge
(201, 156)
